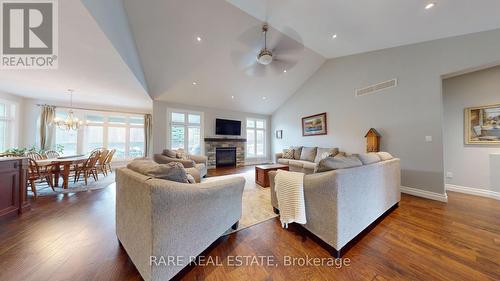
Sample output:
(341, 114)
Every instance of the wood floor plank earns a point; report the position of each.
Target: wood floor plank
(72, 237)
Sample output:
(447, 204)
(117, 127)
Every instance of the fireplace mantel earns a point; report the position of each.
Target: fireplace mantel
(213, 139)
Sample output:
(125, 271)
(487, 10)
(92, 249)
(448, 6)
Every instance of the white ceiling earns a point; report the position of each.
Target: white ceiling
(364, 26)
(88, 63)
(165, 33)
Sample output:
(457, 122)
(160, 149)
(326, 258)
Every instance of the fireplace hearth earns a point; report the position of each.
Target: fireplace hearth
(225, 157)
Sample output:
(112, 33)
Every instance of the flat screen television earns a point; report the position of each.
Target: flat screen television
(227, 127)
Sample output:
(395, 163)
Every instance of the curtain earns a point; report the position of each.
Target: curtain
(46, 129)
(148, 134)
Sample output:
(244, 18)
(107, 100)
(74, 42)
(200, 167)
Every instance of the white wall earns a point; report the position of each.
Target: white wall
(470, 164)
(403, 115)
(160, 126)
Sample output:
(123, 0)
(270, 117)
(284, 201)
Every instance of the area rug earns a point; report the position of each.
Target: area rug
(44, 190)
(257, 206)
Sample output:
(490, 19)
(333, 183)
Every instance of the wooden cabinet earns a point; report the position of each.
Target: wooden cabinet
(262, 173)
(13, 197)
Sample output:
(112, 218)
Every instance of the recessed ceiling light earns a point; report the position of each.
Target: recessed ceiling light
(263, 98)
(430, 6)
(284, 71)
(198, 39)
(194, 83)
(232, 97)
(334, 36)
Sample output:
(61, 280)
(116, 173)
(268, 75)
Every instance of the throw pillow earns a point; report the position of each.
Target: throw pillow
(322, 153)
(369, 158)
(288, 153)
(170, 153)
(384, 156)
(297, 150)
(181, 154)
(308, 154)
(173, 171)
(338, 162)
(190, 178)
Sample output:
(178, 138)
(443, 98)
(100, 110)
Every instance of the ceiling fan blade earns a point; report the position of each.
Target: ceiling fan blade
(285, 45)
(257, 70)
(242, 59)
(252, 38)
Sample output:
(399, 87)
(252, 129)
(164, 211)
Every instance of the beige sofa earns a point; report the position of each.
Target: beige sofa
(340, 204)
(306, 159)
(196, 165)
(160, 219)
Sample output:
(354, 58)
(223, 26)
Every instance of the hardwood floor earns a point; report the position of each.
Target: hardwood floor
(72, 237)
(229, 171)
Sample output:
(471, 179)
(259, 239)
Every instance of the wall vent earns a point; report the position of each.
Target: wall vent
(377, 87)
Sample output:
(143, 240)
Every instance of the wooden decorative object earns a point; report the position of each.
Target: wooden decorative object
(372, 141)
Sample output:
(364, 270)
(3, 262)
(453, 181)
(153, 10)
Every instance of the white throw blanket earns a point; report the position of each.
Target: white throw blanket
(289, 187)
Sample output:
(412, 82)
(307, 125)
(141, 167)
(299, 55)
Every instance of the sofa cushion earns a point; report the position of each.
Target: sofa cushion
(308, 154)
(322, 153)
(369, 158)
(339, 162)
(384, 156)
(310, 166)
(297, 151)
(172, 171)
(170, 153)
(300, 163)
(288, 153)
(283, 161)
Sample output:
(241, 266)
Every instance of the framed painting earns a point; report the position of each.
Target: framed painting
(482, 124)
(314, 125)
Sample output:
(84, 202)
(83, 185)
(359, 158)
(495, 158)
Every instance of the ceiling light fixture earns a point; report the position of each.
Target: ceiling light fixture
(198, 39)
(194, 83)
(334, 36)
(430, 6)
(263, 98)
(232, 97)
(71, 122)
(284, 71)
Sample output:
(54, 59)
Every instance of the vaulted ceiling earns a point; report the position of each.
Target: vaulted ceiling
(126, 52)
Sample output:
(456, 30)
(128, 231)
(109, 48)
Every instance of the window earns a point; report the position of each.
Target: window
(7, 125)
(186, 131)
(256, 138)
(66, 139)
(120, 131)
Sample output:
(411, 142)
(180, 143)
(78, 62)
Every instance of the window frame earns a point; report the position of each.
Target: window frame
(186, 126)
(255, 129)
(11, 120)
(105, 125)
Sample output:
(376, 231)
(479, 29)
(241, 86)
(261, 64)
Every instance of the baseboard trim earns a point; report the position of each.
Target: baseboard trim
(425, 194)
(473, 191)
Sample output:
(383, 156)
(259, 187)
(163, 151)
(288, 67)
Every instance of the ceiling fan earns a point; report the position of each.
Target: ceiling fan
(261, 55)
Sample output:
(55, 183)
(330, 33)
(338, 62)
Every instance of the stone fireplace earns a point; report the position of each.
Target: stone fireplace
(227, 148)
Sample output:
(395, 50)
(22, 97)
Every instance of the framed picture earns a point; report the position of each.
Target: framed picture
(482, 124)
(279, 134)
(314, 125)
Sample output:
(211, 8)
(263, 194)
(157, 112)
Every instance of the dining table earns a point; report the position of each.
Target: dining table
(65, 163)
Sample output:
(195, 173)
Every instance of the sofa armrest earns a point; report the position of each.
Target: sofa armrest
(278, 156)
(162, 159)
(187, 218)
(199, 159)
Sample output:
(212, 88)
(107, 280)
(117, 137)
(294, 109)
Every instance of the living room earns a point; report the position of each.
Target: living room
(250, 140)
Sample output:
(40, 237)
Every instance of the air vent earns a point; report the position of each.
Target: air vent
(377, 87)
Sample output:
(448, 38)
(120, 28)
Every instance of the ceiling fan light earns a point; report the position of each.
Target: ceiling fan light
(265, 57)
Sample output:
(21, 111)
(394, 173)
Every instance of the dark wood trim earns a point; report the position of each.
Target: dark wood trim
(326, 125)
(224, 139)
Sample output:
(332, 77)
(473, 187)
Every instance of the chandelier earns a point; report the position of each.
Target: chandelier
(71, 122)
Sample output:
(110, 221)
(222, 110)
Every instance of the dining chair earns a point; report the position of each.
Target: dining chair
(107, 164)
(89, 167)
(101, 162)
(50, 154)
(34, 155)
(37, 172)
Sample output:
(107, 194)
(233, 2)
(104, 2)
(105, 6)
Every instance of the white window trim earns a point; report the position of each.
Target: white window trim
(12, 119)
(264, 130)
(186, 124)
(80, 114)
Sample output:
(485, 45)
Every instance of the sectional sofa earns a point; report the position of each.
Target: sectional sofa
(342, 203)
